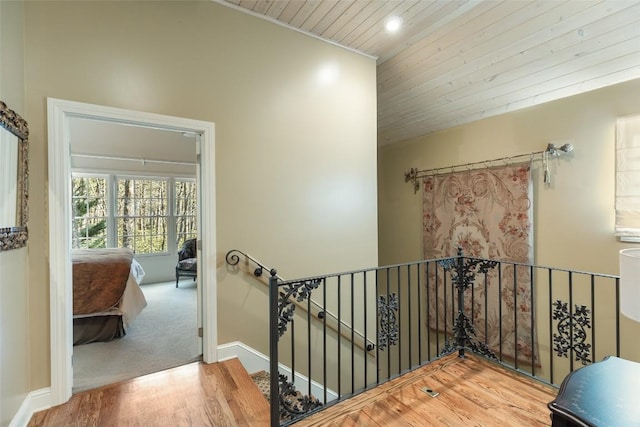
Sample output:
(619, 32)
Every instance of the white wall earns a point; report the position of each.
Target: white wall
(295, 159)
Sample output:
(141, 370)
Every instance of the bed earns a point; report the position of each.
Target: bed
(106, 293)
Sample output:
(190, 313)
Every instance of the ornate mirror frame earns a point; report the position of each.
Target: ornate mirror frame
(15, 236)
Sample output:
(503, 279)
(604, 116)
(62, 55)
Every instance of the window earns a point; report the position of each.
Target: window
(627, 225)
(90, 214)
(148, 215)
(185, 210)
(142, 215)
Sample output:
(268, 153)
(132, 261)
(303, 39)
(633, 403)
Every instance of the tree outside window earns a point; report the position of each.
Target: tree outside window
(89, 198)
(148, 215)
(142, 215)
(185, 210)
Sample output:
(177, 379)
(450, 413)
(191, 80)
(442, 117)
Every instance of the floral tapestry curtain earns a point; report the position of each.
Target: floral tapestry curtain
(487, 213)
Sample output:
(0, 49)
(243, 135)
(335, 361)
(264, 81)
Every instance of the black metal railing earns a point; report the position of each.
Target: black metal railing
(540, 321)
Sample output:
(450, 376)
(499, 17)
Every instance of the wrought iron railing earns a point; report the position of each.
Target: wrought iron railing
(541, 321)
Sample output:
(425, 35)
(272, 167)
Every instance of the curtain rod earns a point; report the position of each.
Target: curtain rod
(131, 159)
(413, 174)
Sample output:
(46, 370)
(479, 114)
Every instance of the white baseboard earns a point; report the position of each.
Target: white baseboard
(254, 361)
(37, 400)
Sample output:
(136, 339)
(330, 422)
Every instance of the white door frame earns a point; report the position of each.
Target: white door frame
(61, 302)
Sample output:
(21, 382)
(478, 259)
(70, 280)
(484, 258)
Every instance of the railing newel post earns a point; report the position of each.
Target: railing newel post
(461, 332)
(274, 386)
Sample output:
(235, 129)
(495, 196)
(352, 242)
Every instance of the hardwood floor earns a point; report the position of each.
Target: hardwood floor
(219, 394)
(472, 392)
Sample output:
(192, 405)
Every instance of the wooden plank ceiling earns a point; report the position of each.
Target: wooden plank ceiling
(454, 62)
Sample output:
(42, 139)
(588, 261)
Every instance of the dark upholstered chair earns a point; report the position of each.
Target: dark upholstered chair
(187, 265)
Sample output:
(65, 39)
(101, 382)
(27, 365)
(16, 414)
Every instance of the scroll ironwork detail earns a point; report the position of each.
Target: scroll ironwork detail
(572, 332)
(463, 273)
(293, 404)
(387, 309)
(299, 291)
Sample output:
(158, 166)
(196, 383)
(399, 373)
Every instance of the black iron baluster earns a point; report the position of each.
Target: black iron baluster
(353, 363)
(617, 316)
(500, 308)
(409, 302)
(486, 309)
(550, 283)
(593, 317)
(366, 342)
(570, 323)
(445, 307)
(309, 353)
(459, 284)
(515, 315)
(293, 351)
(388, 343)
(428, 307)
(473, 301)
(377, 331)
(274, 392)
(437, 330)
(533, 326)
(399, 319)
(324, 340)
(419, 290)
(339, 336)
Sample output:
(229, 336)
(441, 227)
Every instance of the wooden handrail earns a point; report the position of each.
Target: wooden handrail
(317, 312)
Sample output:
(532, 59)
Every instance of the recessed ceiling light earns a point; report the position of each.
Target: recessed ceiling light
(393, 24)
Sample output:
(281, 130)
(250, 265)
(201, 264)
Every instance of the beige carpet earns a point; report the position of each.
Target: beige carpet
(262, 381)
(163, 336)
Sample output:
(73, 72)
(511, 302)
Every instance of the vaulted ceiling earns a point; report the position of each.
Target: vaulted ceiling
(453, 62)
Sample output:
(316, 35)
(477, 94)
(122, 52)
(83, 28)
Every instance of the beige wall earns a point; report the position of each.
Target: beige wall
(14, 321)
(573, 217)
(295, 159)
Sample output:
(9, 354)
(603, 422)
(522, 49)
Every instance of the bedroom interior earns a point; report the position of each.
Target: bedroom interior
(111, 342)
(345, 192)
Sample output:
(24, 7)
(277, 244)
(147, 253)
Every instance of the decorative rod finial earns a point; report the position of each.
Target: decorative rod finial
(412, 175)
(556, 151)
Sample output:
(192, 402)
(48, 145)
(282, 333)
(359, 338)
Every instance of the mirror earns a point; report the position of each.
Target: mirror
(14, 182)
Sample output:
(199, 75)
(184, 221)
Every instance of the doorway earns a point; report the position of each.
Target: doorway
(59, 114)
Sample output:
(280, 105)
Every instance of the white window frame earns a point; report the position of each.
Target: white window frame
(112, 208)
(627, 194)
(116, 216)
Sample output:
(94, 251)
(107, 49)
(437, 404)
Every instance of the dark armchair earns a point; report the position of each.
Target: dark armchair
(187, 265)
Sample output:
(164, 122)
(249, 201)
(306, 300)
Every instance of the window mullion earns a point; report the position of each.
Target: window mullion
(112, 197)
(171, 216)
